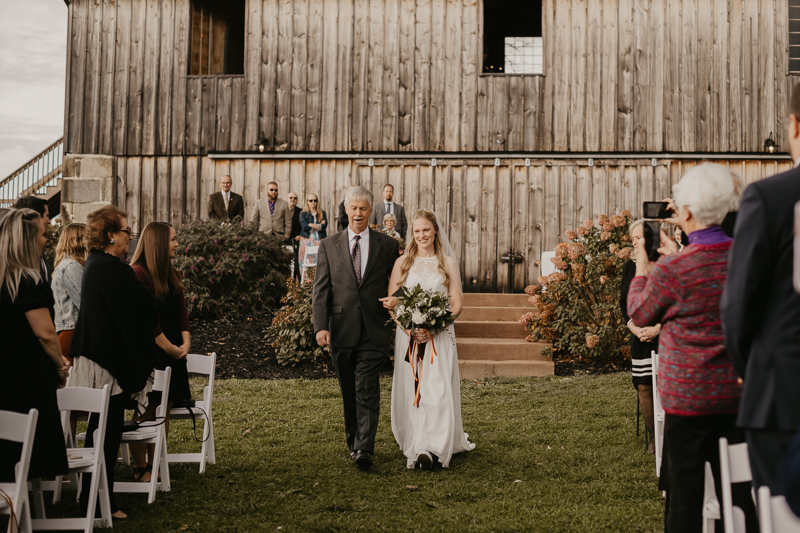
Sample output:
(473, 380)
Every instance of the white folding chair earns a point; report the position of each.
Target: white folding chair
(154, 432)
(309, 260)
(734, 467)
(658, 415)
(16, 427)
(206, 365)
(774, 514)
(81, 461)
(710, 502)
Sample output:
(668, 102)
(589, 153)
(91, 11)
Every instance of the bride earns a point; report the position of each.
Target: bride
(432, 429)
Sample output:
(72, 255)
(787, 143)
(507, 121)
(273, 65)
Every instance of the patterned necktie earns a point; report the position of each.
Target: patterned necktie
(225, 197)
(356, 256)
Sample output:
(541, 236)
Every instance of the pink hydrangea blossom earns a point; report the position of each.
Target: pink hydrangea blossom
(576, 250)
(542, 280)
(588, 224)
(555, 277)
(592, 341)
(602, 219)
(608, 226)
(618, 221)
(603, 280)
(605, 236)
(625, 253)
(613, 248)
(626, 213)
(527, 318)
(561, 251)
(583, 232)
(571, 235)
(530, 290)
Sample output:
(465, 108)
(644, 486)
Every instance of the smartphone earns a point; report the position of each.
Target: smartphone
(652, 239)
(656, 210)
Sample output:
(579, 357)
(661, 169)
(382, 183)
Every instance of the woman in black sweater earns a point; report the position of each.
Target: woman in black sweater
(114, 336)
(643, 342)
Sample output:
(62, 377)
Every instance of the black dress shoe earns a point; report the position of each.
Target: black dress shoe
(363, 459)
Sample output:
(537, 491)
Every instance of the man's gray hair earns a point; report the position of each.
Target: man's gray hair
(707, 192)
(357, 193)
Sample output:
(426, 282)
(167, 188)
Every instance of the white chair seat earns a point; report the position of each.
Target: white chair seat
(183, 412)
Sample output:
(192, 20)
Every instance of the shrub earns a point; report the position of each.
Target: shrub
(292, 331)
(231, 269)
(578, 306)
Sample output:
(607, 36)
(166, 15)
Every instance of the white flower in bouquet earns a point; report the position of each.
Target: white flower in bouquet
(401, 309)
(418, 317)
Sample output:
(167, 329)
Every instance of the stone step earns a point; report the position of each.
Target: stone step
(481, 368)
(494, 314)
(490, 329)
(485, 299)
(500, 349)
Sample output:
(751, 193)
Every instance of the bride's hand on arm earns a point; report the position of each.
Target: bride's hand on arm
(394, 283)
(456, 297)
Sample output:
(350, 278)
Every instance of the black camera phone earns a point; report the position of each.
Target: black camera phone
(656, 210)
(652, 239)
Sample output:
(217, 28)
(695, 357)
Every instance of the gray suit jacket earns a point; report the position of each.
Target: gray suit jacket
(399, 211)
(341, 305)
(280, 224)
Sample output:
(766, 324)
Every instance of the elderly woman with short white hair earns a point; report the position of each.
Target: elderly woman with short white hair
(697, 384)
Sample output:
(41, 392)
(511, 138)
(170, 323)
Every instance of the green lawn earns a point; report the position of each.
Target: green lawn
(553, 454)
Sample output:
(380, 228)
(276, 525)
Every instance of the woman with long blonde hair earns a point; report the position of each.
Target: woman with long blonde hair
(428, 429)
(71, 255)
(30, 358)
(152, 263)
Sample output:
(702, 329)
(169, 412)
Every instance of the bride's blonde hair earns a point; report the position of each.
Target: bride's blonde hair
(412, 250)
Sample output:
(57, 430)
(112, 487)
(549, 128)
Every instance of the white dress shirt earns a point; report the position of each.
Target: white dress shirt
(363, 243)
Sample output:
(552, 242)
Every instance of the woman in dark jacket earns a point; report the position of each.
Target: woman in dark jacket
(30, 357)
(114, 340)
(152, 263)
(313, 226)
(644, 341)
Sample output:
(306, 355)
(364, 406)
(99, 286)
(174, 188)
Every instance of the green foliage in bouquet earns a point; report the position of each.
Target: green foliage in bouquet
(578, 306)
(421, 308)
(231, 269)
(292, 331)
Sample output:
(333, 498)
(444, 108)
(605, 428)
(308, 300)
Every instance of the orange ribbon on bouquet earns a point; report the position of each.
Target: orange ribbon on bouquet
(411, 358)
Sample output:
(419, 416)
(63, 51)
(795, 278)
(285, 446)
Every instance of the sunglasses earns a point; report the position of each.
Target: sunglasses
(273, 190)
(126, 230)
(315, 201)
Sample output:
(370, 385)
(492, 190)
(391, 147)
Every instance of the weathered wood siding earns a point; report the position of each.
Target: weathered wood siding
(404, 75)
(487, 209)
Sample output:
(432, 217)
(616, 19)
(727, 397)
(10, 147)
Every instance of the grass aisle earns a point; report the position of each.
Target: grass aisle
(553, 454)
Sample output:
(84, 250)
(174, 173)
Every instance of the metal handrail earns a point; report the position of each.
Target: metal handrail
(42, 170)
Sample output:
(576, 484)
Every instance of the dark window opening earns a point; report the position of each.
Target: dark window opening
(512, 37)
(217, 45)
(794, 36)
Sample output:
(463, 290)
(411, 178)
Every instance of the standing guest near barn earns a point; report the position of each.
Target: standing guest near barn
(761, 313)
(114, 342)
(697, 384)
(30, 358)
(40, 206)
(353, 269)
(388, 207)
(294, 236)
(272, 214)
(224, 204)
(313, 225)
(67, 275)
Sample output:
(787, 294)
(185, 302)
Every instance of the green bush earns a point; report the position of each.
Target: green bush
(292, 331)
(578, 306)
(231, 269)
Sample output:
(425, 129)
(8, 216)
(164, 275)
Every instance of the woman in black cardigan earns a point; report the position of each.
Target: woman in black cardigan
(114, 341)
(643, 342)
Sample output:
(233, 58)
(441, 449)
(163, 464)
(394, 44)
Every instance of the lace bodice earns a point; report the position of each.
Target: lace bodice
(425, 272)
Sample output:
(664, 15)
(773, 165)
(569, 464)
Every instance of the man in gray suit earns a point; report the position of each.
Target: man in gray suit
(353, 268)
(388, 206)
(272, 214)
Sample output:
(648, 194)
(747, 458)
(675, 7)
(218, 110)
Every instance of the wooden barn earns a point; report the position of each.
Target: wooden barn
(514, 119)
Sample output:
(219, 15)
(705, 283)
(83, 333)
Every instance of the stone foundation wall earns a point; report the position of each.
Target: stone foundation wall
(87, 184)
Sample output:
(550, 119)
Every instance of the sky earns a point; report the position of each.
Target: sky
(33, 50)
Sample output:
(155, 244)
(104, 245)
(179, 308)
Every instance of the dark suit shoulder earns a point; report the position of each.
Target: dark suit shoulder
(778, 185)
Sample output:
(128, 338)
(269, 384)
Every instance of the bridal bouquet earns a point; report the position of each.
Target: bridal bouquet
(420, 308)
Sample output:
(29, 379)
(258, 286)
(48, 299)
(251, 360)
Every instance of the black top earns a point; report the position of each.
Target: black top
(760, 308)
(639, 349)
(116, 321)
(342, 218)
(29, 380)
(296, 228)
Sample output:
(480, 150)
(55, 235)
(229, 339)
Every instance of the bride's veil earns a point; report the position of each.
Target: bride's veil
(448, 251)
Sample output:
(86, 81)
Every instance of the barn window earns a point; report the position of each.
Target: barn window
(512, 37)
(217, 45)
(794, 36)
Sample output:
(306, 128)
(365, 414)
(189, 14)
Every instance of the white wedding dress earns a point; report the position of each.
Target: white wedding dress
(435, 426)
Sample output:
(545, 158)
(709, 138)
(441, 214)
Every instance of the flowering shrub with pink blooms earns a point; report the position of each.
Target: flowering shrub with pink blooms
(577, 308)
(231, 269)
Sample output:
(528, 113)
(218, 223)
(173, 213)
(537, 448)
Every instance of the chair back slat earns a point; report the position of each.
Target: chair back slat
(774, 514)
(14, 426)
(739, 462)
(201, 364)
(80, 399)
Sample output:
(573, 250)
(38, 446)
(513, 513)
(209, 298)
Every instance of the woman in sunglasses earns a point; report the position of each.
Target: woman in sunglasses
(313, 227)
(114, 340)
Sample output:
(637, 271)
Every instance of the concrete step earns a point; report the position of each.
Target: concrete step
(500, 349)
(494, 314)
(490, 329)
(478, 368)
(484, 299)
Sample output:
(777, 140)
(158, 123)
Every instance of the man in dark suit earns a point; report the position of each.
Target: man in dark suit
(224, 204)
(294, 236)
(388, 206)
(761, 313)
(353, 269)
